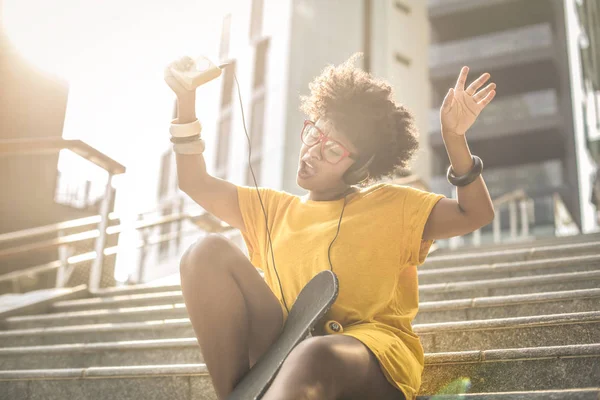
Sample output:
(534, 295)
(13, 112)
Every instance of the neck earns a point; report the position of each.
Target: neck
(332, 194)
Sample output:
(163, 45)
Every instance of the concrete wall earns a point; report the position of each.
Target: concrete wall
(32, 104)
(323, 32)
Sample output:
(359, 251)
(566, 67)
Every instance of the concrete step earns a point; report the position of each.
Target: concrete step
(511, 255)
(521, 369)
(464, 282)
(530, 331)
(504, 333)
(129, 300)
(501, 270)
(505, 370)
(477, 308)
(82, 355)
(571, 394)
(134, 289)
(429, 311)
(541, 242)
(510, 286)
(185, 382)
(116, 315)
(93, 333)
(454, 274)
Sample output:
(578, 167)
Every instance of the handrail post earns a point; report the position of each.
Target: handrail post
(143, 254)
(512, 209)
(524, 218)
(96, 271)
(496, 227)
(62, 256)
(477, 237)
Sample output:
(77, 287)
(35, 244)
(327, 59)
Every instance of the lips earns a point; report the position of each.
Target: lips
(306, 169)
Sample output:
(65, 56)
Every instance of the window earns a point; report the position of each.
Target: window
(402, 7)
(260, 63)
(256, 167)
(256, 17)
(257, 117)
(228, 81)
(165, 170)
(223, 143)
(257, 124)
(225, 37)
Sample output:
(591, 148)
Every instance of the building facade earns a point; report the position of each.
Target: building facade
(530, 136)
(526, 137)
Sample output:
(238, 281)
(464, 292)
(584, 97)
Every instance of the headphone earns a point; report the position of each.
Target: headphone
(355, 174)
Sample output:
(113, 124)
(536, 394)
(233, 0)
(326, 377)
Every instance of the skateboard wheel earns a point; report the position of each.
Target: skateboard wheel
(333, 327)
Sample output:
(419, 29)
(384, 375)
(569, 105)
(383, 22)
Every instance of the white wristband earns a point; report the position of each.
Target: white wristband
(195, 147)
(185, 130)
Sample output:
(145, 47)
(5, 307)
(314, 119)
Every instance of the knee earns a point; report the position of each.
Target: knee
(315, 362)
(317, 354)
(206, 252)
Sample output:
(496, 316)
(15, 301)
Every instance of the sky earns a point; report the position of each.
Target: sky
(112, 53)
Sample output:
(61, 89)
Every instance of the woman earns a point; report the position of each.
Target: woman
(356, 134)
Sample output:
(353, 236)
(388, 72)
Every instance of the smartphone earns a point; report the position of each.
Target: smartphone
(200, 71)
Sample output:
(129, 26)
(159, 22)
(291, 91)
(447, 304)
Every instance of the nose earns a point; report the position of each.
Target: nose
(315, 151)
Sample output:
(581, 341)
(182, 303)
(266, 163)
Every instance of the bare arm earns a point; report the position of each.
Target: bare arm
(474, 207)
(215, 195)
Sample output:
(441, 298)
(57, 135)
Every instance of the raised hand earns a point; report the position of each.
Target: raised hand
(461, 107)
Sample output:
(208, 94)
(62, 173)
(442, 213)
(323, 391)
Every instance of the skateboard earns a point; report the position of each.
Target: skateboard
(313, 302)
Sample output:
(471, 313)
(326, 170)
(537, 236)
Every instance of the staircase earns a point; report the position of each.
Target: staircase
(507, 322)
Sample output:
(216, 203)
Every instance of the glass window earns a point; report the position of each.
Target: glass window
(260, 64)
(256, 167)
(256, 18)
(223, 143)
(225, 37)
(228, 80)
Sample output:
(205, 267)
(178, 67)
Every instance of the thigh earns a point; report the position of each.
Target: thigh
(216, 251)
(347, 364)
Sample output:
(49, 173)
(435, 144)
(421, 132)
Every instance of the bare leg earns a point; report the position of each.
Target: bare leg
(234, 314)
(331, 367)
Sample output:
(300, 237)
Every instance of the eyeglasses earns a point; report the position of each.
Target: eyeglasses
(332, 151)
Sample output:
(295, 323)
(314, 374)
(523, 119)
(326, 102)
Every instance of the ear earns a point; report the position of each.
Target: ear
(357, 173)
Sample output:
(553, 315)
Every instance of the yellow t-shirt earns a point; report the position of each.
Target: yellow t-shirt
(375, 258)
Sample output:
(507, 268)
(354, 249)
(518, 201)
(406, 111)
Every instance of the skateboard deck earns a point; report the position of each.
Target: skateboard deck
(313, 302)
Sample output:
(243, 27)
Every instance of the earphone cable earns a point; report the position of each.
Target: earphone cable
(258, 192)
(263, 207)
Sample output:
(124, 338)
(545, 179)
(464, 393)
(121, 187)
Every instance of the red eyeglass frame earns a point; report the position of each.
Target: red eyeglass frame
(323, 138)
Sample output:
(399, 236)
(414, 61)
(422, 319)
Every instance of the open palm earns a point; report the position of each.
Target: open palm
(461, 107)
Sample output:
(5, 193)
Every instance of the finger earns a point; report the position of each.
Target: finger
(477, 83)
(448, 100)
(486, 100)
(462, 78)
(483, 92)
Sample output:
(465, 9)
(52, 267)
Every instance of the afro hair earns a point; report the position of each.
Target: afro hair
(364, 110)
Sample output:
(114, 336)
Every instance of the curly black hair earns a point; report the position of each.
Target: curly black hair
(362, 107)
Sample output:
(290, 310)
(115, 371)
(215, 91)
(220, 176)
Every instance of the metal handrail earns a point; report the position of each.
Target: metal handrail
(526, 208)
(12, 147)
(53, 228)
(53, 145)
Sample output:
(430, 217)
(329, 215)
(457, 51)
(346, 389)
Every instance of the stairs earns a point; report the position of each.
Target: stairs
(515, 322)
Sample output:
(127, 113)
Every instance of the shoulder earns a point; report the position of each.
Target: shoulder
(399, 190)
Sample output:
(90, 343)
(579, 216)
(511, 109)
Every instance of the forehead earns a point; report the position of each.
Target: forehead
(327, 127)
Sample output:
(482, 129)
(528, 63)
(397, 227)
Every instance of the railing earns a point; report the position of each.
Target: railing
(495, 44)
(521, 209)
(514, 200)
(12, 147)
(78, 193)
(66, 243)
